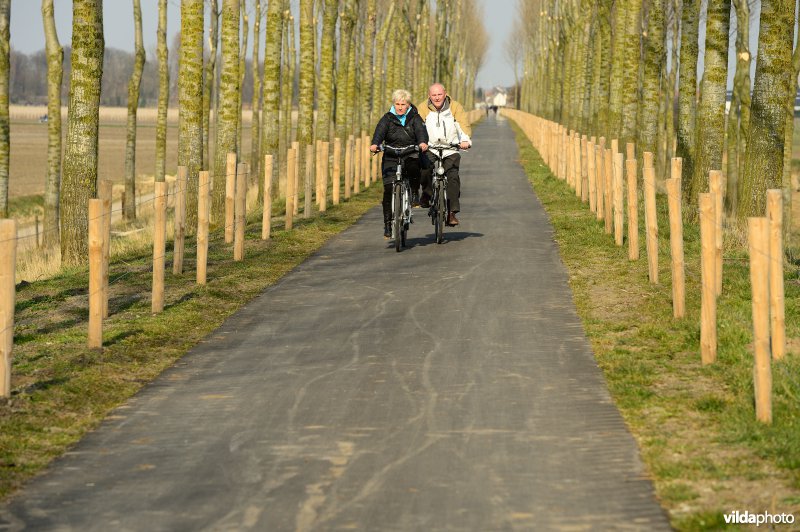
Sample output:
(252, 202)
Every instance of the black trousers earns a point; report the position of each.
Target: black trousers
(410, 172)
(451, 165)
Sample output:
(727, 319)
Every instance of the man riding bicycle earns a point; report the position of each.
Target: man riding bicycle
(400, 126)
(446, 123)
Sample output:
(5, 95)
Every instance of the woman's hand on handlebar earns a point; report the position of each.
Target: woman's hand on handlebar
(374, 148)
(423, 146)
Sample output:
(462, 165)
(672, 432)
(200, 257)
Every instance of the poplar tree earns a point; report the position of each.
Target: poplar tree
(129, 211)
(55, 70)
(5, 67)
(163, 93)
(270, 86)
(80, 157)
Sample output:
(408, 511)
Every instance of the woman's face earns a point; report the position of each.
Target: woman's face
(401, 107)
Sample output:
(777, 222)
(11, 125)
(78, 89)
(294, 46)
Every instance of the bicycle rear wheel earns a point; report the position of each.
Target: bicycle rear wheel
(398, 217)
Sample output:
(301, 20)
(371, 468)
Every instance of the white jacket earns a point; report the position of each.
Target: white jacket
(443, 125)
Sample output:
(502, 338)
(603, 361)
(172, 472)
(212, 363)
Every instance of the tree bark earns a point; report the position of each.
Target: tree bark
(55, 75)
(630, 71)
(651, 83)
(5, 129)
(739, 112)
(773, 87)
(210, 83)
(305, 98)
(129, 211)
(80, 158)
(687, 92)
(326, 67)
(255, 130)
(270, 87)
(228, 119)
(163, 93)
(190, 100)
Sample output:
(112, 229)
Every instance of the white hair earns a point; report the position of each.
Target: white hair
(401, 95)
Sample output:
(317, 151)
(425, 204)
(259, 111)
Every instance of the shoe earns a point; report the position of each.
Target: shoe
(414, 199)
(425, 201)
(387, 230)
(452, 220)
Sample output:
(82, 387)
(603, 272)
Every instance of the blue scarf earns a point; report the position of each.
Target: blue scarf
(402, 118)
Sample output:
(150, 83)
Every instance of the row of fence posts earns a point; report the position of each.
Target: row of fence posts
(359, 169)
(595, 173)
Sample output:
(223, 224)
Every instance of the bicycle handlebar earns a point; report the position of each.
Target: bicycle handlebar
(399, 150)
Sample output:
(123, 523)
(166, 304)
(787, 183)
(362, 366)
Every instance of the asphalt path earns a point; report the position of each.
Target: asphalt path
(446, 387)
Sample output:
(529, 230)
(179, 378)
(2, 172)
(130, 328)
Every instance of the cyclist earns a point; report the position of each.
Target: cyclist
(446, 123)
(400, 126)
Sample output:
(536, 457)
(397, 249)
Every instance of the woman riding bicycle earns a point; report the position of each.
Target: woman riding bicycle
(401, 126)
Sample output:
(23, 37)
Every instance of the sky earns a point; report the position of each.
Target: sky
(27, 34)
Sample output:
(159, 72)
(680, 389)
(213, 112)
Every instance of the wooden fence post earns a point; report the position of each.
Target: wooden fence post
(619, 212)
(715, 182)
(758, 242)
(708, 303)
(180, 222)
(96, 224)
(365, 158)
(324, 150)
(608, 188)
(600, 172)
(159, 245)
(239, 211)
(357, 166)
(348, 167)
(576, 143)
(337, 155)
(308, 194)
(676, 245)
(317, 171)
(291, 164)
(591, 175)
(8, 262)
(584, 169)
(230, 196)
(298, 154)
(266, 215)
(630, 150)
(776, 301)
(203, 211)
(651, 222)
(633, 209)
(104, 191)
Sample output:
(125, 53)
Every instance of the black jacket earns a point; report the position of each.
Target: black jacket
(390, 131)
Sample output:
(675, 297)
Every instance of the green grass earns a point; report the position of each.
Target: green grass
(62, 389)
(695, 425)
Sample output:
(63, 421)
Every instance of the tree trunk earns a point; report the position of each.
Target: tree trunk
(55, 74)
(326, 64)
(773, 87)
(787, 152)
(242, 55)
(228, 119)
(80, 158)
(5, 130)
(305, 99)
(651, 82)
(379, 71)
(163, 93)
(687, 92)
(210, 80)
(129, 211)
(190, 101)
(617, 70)
(710, 134)
(255, 130)
(736, 113)
(342, 66)
(366, 64)
(630, 70)
(270, 87)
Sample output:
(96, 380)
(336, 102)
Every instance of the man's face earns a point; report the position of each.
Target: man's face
(437, 94)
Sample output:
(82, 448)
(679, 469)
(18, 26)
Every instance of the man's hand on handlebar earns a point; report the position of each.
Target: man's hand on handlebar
(465, 145)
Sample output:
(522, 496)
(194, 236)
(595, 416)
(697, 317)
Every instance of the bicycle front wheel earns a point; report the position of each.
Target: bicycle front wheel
(398, 217)
(441, 213)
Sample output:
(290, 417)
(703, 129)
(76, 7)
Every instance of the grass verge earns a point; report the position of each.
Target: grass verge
(695, 425)
(62, 389)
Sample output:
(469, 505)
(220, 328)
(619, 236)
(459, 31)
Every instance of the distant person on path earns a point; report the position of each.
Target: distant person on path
(400, 126)
(446, 123)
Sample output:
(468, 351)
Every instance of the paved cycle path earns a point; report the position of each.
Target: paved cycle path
(447, 387)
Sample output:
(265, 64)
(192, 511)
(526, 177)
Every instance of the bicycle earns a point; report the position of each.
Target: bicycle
(401, 196)
(438, 209)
